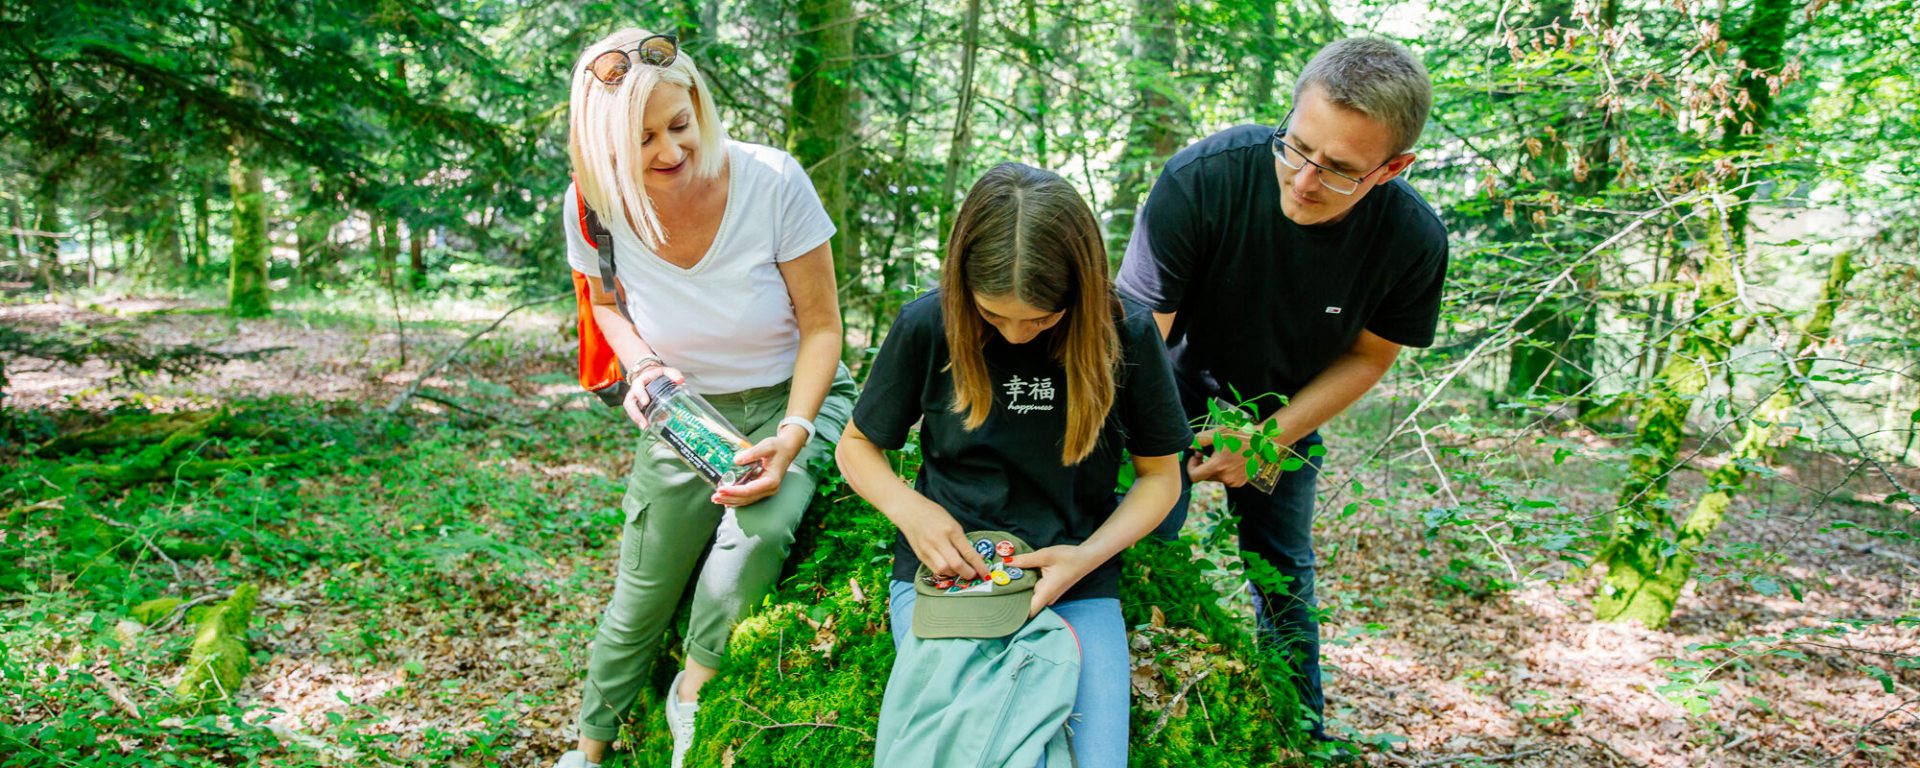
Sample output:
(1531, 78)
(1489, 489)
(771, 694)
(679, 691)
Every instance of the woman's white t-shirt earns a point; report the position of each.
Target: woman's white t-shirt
(728, 322)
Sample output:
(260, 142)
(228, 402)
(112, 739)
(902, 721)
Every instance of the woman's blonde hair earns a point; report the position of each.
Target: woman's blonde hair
(1026, 233)
(604, 129)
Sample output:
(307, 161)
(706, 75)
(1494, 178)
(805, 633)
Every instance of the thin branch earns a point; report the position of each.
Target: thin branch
(401, 399)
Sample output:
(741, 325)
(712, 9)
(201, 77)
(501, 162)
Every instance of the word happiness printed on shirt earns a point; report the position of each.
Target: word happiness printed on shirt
(1035, 391)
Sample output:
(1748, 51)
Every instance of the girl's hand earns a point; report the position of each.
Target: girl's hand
(1060, 566)
(939, 542)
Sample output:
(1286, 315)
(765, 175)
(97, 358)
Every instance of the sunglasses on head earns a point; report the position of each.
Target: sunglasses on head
(657, 50)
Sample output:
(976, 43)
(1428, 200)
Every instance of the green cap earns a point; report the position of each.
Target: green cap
(946, 607)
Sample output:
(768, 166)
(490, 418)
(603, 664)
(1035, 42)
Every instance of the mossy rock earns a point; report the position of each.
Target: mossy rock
(219, 661)
(816, 659)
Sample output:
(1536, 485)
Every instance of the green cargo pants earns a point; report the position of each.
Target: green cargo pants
(669, 524)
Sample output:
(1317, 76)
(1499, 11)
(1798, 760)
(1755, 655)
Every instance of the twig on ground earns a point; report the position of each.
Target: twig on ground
(1167, 712)
(400, 400)
(1611, 750)
(1455, 759)
(144, 541)
(773, 724)
(180, 611)
(110, 683)
(435, 397)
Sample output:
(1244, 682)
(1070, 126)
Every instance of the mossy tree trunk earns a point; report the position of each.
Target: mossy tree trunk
(46, 244)
(248, 294)
(959, 145)
(163, 239)
(820, 131)
(1637, 585)
(1159, 108)
(1645, 576)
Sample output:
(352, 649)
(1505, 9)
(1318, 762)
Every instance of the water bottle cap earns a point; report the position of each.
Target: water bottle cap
(661, 388)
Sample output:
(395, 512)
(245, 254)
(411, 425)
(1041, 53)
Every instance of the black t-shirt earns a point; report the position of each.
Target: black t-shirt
(1264, 304)
(1006, 475)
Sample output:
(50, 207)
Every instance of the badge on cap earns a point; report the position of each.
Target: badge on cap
(984, 547)
(1013, 572)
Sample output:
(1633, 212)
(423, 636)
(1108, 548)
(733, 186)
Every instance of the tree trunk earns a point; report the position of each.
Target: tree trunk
(820, 128)
(386, 248)
(202, 252)
(1034, 81)
(248, 294)
(1152, 134)
(1653, 581)
(1762, 50)
(962, 118)
(416, 260)
(163, 239)
(1635, 586)
(46, 245)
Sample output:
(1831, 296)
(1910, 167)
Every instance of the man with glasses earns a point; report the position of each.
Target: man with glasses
(1293, 263)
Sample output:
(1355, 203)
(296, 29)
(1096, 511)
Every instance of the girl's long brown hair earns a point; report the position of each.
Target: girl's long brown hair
(1025, 233)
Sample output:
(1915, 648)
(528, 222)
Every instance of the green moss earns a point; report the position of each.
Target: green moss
(219, 661)
(155, 609)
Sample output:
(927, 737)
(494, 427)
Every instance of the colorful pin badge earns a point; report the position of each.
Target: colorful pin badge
(1001, 578)
(984, 547)
(1004, 548)
(1014, 572)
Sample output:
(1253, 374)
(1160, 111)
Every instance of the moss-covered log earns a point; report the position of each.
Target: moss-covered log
(219, 661)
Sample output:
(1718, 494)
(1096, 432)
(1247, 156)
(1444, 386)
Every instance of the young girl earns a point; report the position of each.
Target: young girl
(722, 258)
(1028, 377)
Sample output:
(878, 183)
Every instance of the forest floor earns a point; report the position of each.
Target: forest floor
(441, 603)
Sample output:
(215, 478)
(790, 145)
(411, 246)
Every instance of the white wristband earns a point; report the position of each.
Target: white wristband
(806, 424)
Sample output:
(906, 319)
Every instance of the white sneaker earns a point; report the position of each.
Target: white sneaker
(575, 759)
(680, 720)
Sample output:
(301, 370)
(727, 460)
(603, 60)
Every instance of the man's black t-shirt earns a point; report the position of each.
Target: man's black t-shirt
(1006, 475)
(1264, 304)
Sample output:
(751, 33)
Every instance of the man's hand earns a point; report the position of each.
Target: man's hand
(1229, 468)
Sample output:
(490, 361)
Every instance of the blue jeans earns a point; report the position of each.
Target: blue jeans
(1279, 528)
(1101, 706)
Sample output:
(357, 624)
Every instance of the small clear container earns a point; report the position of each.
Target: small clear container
(697, 433)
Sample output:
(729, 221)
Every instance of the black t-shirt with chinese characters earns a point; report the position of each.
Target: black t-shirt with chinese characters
(1006, 475)
(1263, 304)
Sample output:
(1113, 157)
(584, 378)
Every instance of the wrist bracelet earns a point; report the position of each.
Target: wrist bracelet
(633, 371)
(803, 423)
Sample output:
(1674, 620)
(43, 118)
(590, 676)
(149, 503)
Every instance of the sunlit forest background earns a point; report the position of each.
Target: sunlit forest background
(294, 470)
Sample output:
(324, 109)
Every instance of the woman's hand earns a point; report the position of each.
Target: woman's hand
(774, 454)
(1060, 566)
(637, 400)
(938, 540)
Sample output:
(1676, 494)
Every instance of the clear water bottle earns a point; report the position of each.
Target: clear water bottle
(697, 433)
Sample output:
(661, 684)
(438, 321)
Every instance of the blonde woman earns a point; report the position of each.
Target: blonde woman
(723, 263)
(1028, 378)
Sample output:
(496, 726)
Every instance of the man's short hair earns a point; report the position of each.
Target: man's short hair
(1377, 78)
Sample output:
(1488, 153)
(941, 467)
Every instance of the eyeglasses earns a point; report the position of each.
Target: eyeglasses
(1291, 157)
(658, 50)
